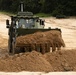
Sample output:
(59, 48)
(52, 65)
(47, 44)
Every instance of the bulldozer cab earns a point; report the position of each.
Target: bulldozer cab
(29, 22)
(22, 24)
(26, 20)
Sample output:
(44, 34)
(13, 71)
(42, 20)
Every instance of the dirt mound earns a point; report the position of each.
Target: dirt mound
(32, 61)
(62, 60)
(41, 40)
(35, 61)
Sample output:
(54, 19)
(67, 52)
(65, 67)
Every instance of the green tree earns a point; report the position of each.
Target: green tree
(54, 7)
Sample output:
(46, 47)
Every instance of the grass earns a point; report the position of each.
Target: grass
(6, 13)
(43, 15)
(38, 14)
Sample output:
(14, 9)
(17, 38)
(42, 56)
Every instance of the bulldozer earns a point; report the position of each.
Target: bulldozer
(24, 23)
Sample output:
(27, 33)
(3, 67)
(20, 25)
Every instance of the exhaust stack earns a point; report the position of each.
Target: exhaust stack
(21, 6)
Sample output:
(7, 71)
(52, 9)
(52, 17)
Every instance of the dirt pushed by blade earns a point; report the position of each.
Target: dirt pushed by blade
(30, 61)
(62, 60)
(52, 38)
(35, 61)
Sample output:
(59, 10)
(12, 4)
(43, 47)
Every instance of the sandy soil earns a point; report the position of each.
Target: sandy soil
(3, 34)
(68, 33)
(68, 27)
(38, 73)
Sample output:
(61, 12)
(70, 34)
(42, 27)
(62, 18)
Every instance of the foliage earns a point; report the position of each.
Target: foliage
(53, 7)
(43, 15)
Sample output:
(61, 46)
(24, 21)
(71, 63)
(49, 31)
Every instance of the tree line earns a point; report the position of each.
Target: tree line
(53, 7)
